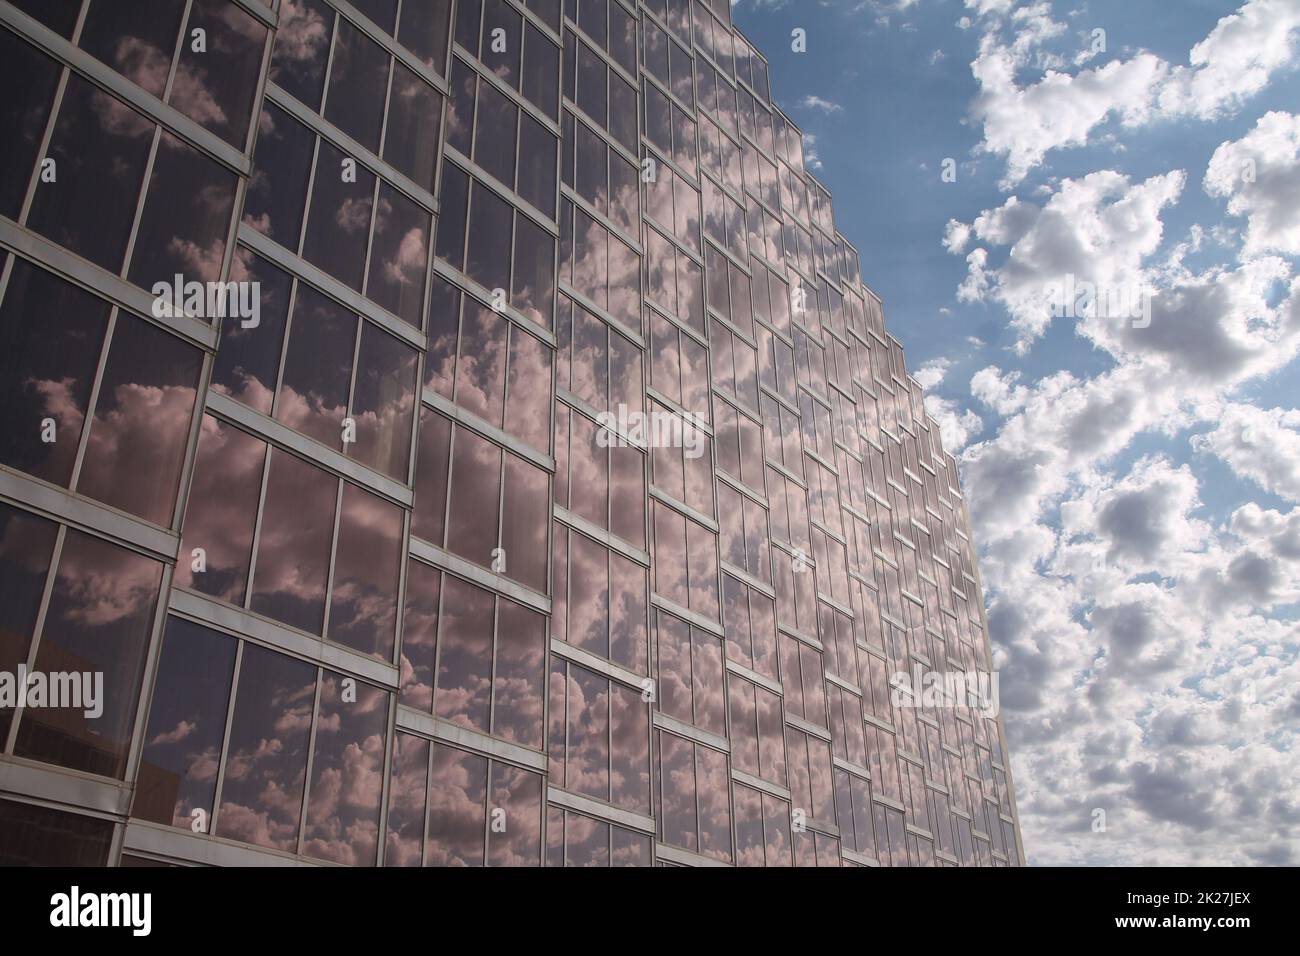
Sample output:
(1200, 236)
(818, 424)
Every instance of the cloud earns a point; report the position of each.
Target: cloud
(1023, 123)
(813, 102)
(1260, 445)
(1259, 175)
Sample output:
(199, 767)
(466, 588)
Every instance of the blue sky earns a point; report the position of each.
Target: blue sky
(1134, 489)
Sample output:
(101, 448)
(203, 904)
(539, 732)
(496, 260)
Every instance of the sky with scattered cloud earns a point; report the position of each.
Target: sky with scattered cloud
(1103, 306)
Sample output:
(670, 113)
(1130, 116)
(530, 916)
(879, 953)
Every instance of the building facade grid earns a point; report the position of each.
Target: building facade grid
(557, 496)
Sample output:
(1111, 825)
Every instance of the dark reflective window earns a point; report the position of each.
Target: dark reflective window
(136, 39)
(141, 426)
(29, 80)
(383, 402)
(407, 801)
(475, 498)
(99, 621)
(431, 473)
(358, 86)
(318, 367)
(534, 284)
(277, 188)
(187, 725)
(339, 221)
(99, 146)
(294, 539)
(419, 635)
(518, 674)
(248, 359)
(217, 75)
(38, 836)
(186, 217)
(525, 517)
(222, 512)
(399, 255)
(458, 818)
(689, 674)
(346, 772)
(262, 791)
(414, 122)
(26, 548)
(383, 13)
(423, 29)
(368, 561)
(465, 655)
(51, 336)
(302, 44)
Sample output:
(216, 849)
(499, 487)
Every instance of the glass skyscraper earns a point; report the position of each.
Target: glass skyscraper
(457, 434)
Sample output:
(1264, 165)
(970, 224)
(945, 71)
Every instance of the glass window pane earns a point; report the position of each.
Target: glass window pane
(346, 772)
(458, 810)
(318, 368)
(185, 220)
(29, 79)
(138, 40)
(261, 796)
(248, 359)
(141, 426)
(414, 119)
(187, 724)
(367, 563)
(464, 655)
(475, 498)
(431, 470)
(37, 836)
(423, 29)
(215, 85)
(293, 546)
(26, 547)
(518, 675)
(51, 334)
(100, 616)
(100, 146)
(519, 794)
(277, 188)
(407, 801)
(358, 86)
(383, 402)
(525, 518)
(222, 511)
(302, 44)
(339, 221)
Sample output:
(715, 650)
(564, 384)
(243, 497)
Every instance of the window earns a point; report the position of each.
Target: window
(600, 92)
(670, 129)
(604, 485)
(362, 407)
(295, 542)
(802, 680)
(470, 790)
(679, 367)
(674, 281)
(757, 731)
(600, 174)
(744, 538)
(599, 266)
(694, 812)
(510, 46)
(33, 835)
(489, 365)
(668, 62)
(30, 81)
(100, 614)
(612, 27)
(597, 364)
(495, 502)
(599, 739)
(762, 829)
(735, 365)
(600, 600)
(471, 234)
(688, 674)
(739, 441)
(498, 131)
(576, 840)
(683, 470)
(674, 204)
(685, 561)
(811, 789)
(749, 619)
(488, 654)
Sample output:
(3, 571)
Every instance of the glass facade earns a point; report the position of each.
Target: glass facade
(539, 486)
